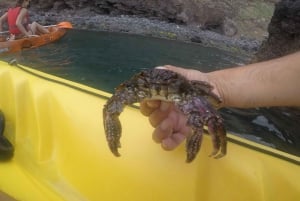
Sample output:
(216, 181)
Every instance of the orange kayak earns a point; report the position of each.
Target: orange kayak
(7, 47)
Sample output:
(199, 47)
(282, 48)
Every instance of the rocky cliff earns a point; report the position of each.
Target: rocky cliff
(284, 31)
(229, 17)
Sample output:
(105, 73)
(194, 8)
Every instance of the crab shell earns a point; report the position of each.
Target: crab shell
(194, 99)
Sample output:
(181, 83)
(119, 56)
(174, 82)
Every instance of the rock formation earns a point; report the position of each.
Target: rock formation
(212, 15)
(284, 31)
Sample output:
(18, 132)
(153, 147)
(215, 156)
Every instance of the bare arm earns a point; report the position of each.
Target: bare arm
(271, 83)
(2, 20)
(19, 22)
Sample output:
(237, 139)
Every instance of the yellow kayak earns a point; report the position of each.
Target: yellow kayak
(60, 152)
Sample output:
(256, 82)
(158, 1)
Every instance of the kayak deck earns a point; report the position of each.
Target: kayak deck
(61, 152)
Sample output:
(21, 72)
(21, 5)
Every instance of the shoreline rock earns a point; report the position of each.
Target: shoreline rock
(284, 32)
(149, 27)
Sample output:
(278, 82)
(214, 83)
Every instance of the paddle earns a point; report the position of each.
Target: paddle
(3, 32)
(65, 25)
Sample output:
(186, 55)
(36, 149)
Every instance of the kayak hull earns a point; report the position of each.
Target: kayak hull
(61, 152)
(8, 47)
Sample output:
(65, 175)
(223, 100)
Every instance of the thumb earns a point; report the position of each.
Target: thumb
(179, 70)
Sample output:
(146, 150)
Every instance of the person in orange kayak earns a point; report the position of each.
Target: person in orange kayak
(17, 19)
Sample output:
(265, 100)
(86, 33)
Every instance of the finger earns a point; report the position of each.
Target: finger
(153, 103)
(181, 122)
(163, 131)
(175, 69)
(191, 74)
(179, 70)
(180, 131)
(147, 107)
(171, 142)
(157, 116)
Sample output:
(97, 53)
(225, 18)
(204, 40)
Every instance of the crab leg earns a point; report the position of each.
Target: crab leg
(111, 113)
(221, 132)
(112, 124)
(218, 137)
(196, 112)
(193, 144)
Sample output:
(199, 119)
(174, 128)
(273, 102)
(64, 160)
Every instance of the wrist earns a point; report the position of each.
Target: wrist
(219, 86)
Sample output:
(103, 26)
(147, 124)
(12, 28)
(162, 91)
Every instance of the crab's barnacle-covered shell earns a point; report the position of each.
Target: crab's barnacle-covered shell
(194, 98)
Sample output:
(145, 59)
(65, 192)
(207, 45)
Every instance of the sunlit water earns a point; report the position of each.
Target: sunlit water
(102, 60)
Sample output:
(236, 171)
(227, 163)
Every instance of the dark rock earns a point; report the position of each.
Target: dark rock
(284, 31)
(196, 39)
(44, 4)
(283, 39)
(59, 5)
(207, 14)
(229, 28)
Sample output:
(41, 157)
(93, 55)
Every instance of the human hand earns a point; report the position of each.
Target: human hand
(169, 123)
(192, 74)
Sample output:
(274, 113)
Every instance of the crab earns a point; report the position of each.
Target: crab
(194, 99)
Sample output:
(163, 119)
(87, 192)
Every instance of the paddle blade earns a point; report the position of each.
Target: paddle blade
(66, 25)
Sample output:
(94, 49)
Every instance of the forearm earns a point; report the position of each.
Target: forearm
(2, 19)
(1, 25)
(19, 22)
(271, 83)
(22, 29)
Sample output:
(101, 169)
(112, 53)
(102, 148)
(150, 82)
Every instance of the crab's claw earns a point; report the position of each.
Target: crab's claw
(113, 130)
(217, 132)
(193, 144)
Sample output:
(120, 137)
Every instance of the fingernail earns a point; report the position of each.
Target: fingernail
(166, 145)
(153, 104)
(160, 67)
(164, 126)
